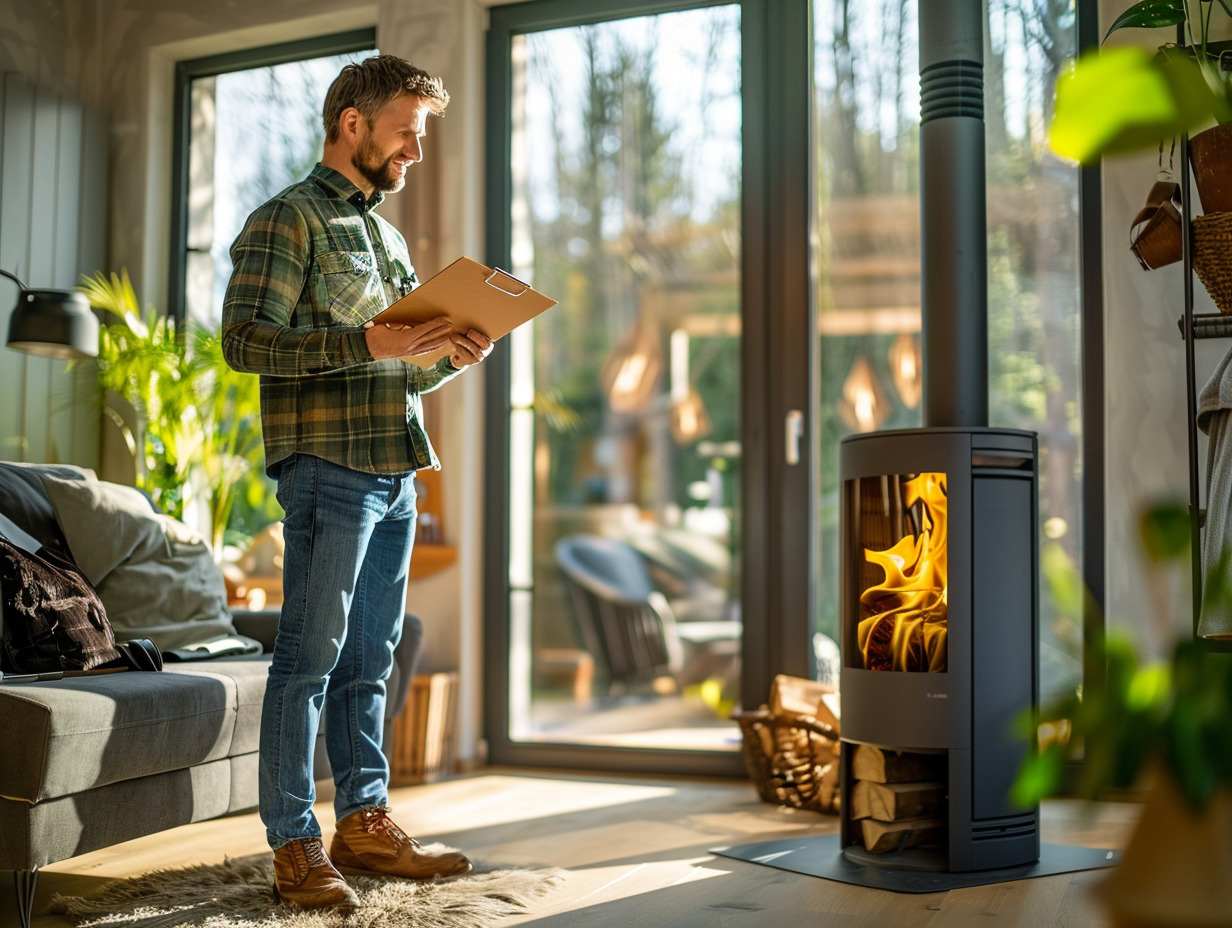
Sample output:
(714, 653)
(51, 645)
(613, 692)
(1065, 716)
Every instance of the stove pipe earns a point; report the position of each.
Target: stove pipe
(954, 247)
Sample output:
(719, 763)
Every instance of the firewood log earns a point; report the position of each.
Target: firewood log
(827, 786)
(827, 711)
(871, 763)
(891, 802)
(880, 837)
(793, 696)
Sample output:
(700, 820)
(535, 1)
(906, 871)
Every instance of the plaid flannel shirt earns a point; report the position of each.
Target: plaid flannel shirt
(311, 266)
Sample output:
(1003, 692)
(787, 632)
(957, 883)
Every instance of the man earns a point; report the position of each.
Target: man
(342, 421)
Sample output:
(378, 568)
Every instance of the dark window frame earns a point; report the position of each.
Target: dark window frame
(186, 72)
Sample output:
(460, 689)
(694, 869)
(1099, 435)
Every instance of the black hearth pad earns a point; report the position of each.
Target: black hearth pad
(822, 856)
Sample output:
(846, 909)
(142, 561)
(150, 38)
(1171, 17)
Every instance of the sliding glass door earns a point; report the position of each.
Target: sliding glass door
(628, 590)
(724, 197)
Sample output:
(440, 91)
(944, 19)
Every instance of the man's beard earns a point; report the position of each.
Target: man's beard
(380, 173)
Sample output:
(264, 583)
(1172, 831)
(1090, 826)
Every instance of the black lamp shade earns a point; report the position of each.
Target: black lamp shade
(54, 324)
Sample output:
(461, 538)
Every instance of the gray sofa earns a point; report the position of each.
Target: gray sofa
(92, 761)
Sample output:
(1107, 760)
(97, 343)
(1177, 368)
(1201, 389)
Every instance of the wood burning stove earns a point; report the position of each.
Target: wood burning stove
(939, 632)
(939, 566)
(939, 608)
(940, 562)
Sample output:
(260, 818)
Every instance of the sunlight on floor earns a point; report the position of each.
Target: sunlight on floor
(497, 799)
(622, 882)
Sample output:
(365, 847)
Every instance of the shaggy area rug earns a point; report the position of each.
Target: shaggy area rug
(238, 894)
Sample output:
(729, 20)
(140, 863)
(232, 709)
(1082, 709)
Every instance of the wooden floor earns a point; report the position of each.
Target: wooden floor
(637, 852)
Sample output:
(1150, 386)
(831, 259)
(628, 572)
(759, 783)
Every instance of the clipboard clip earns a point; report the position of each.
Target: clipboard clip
(495, 271)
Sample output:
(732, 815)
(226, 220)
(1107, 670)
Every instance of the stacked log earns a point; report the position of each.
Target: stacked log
(798, 704)
(898, 797)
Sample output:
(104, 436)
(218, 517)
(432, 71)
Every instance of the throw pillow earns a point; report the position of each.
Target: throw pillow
(23, 500)
(155, 576)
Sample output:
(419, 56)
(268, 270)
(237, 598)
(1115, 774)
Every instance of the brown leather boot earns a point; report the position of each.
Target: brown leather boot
(303, 876)
(368, 842)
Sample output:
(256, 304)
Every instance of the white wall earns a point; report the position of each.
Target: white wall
(53, 165)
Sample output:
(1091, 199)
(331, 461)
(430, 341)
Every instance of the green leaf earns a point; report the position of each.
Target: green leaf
(1150, 14)
(1191, 763)
(1126, 99)
(1148, 688)
(1165, 532)
(1038, 777)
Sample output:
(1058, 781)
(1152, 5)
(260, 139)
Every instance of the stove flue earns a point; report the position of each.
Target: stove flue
(939, 611)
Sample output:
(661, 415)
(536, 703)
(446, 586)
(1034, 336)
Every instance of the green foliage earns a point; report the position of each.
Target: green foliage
(1175, 714)
(1126, 99)
(197, 420)
(1150, 14)
(1164, 531)
(615, 236)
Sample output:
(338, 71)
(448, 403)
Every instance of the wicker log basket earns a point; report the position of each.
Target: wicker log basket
(791, 755)
(1212, 256)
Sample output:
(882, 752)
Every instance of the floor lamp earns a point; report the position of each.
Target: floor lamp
(52, 323)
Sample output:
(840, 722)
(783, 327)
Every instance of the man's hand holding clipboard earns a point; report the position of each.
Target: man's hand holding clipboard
(459, 312)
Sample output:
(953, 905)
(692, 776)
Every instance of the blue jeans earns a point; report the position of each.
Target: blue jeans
(348, 541)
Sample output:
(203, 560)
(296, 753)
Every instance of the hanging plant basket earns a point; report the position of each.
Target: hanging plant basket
(1212, 256)
(1210, 155)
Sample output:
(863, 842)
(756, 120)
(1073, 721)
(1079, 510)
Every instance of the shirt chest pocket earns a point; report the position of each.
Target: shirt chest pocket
(352, 286)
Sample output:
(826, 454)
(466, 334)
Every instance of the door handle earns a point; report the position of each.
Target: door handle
(793, 431)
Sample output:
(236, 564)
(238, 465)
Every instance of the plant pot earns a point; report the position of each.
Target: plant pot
(1210, 156)
(1176, 871)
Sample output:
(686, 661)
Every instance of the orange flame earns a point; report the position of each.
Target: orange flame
(906, 629)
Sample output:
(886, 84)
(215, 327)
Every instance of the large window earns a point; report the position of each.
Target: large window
(649, 547)
(868, 269)
(248, 125)
(625, 465)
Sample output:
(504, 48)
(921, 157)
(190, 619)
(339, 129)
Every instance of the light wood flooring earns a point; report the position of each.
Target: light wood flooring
(638, 853)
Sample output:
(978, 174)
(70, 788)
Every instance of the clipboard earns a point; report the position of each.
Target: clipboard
(473, 296)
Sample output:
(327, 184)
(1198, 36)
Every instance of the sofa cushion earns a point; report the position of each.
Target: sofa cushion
(155, 576)
(33, 836)
(84, 732)
(25, 502)
(247, 675)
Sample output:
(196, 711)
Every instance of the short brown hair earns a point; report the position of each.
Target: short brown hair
(371, 84)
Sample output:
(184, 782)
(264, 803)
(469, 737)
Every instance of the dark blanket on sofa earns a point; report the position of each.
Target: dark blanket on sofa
(53, 619)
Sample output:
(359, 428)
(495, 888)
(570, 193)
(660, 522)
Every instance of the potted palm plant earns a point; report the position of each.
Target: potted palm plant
(196, 423)
(1162, 729)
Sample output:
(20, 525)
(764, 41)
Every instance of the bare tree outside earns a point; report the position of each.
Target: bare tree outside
(632, 145)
